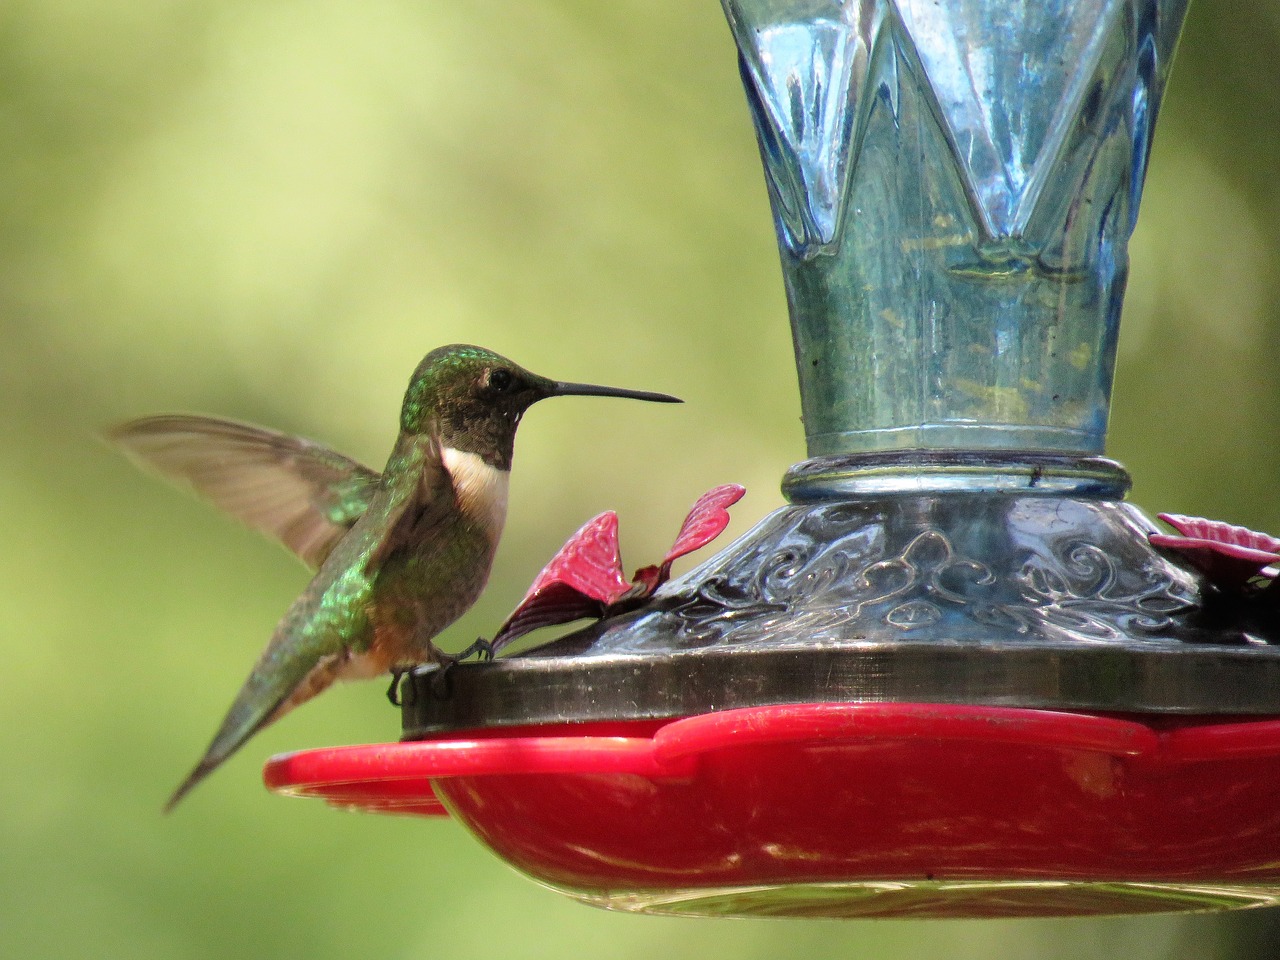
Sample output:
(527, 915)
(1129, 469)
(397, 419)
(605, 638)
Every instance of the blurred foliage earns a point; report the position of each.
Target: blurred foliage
(271, 210)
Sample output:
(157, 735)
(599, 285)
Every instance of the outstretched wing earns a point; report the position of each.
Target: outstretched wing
(316, 641)
(300, 493)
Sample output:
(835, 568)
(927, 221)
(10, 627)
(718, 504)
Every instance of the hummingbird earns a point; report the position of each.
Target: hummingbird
(398, 556)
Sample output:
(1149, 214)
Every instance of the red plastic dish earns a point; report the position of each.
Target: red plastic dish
(851, 809)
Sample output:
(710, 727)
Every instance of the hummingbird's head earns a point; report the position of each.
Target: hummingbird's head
(474, 398)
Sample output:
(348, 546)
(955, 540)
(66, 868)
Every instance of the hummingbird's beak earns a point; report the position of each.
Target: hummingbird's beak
(591, 390)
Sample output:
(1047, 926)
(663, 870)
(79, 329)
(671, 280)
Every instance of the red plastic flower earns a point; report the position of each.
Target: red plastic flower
(1232, 558)
(585, 579)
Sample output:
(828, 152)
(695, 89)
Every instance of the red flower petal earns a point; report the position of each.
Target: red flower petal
(589, 562)
(705, 522)
(1229, 556)
(554, 604)
(1216, 531)
(648, 579)
(583, 578)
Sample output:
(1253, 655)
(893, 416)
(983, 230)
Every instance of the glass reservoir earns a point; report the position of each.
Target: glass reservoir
(954, 186)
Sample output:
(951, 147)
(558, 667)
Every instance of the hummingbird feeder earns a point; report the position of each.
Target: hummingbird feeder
(954, 676)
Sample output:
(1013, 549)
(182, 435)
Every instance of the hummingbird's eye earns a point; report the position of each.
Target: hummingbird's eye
(500, 380)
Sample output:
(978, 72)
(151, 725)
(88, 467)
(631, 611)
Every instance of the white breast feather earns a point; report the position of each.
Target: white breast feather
(481, 488)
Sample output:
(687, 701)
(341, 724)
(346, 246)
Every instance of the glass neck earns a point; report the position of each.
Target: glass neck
(954, 471)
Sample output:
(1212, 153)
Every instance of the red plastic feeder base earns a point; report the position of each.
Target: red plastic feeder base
(851, 810)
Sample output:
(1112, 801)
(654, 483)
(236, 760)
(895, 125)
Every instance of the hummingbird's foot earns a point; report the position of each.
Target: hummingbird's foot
(441, 679)
(393, 691)
(481, 647)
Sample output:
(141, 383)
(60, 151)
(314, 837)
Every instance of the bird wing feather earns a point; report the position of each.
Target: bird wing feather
(301, 494)
(420, 506)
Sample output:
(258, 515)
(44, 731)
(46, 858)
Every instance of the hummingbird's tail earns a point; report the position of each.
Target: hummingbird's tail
(202, 769)
(231, 737)
(265, 697)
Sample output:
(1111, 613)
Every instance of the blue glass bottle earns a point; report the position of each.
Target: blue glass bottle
(954, 185)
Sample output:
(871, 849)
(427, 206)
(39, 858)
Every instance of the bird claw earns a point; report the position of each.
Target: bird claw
(442, 679)
(441, 683)
(393, 692)
(481, 647)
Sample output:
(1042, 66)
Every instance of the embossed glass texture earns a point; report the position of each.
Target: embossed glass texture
(954, 186)
(954, 568)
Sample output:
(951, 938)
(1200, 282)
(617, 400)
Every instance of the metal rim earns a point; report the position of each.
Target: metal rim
(1208, 680)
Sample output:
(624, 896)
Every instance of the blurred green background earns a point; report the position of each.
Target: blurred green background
(270, 210)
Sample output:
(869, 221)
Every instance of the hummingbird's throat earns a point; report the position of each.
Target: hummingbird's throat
(480, 487)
